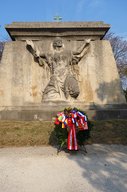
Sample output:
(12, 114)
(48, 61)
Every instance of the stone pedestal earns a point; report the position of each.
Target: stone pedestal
(23, 81)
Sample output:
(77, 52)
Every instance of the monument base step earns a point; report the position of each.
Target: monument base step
(48, 112)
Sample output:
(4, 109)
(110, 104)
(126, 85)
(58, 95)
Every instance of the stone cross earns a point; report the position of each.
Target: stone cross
(58, 18)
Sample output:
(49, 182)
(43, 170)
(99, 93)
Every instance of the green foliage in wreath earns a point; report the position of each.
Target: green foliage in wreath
(61, 135)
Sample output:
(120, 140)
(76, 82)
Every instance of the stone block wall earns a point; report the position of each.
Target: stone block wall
(22, 80)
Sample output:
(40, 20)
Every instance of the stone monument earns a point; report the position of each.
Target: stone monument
(48, 66)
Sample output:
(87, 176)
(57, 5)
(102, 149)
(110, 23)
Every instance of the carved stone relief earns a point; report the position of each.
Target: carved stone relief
(63, 66)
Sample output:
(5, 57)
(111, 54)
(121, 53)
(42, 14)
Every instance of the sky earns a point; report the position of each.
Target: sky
(113, 12)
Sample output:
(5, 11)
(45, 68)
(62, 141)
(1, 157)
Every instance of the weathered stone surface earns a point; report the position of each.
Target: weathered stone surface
(61, 63)
(23, 81)
(68, 30)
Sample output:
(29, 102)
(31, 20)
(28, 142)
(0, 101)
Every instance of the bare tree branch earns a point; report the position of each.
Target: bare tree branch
(119, 47)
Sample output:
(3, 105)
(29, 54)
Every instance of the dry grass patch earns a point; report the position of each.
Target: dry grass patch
(109, 132)
(22, 133)
(35, 133)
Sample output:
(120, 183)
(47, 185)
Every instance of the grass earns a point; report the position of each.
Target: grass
(109, 132)
(37, 133)
(22, 133)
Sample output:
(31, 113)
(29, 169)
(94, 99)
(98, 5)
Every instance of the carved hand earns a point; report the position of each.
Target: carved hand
(32, 48)
(88, 41)
(30, 43)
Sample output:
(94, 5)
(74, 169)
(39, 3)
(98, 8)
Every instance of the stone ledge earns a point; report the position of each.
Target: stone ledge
(48, 115)
(60, 105)
(99, 24)
(38, 30)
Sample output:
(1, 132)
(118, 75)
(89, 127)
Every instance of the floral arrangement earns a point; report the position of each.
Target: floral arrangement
(72, 128)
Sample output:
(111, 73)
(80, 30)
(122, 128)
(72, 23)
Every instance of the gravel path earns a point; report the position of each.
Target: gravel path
(40, 169)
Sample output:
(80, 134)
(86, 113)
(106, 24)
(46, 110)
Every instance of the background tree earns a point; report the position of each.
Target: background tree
(119, 47)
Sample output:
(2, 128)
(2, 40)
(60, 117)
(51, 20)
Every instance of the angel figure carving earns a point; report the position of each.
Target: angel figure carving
(63, 84)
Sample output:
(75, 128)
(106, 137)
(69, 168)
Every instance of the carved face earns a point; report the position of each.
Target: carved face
(57, 42)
